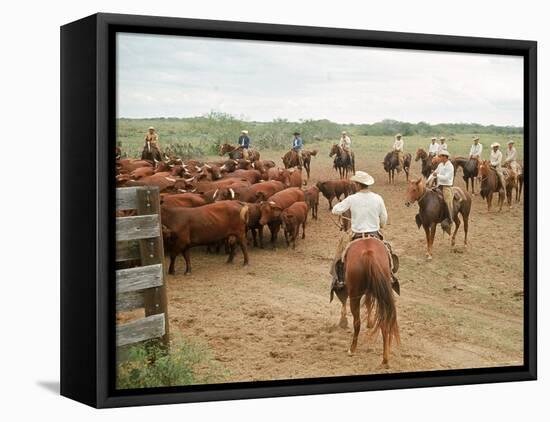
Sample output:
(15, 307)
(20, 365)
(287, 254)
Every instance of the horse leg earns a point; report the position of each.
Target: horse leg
(489, 201)
(241, 240)
(354, 304)
(427, 230)
(457, 225)
(343, 323)
(173, 256)
(187, 256)
(432, 238)
(501, 196)
(465, 220)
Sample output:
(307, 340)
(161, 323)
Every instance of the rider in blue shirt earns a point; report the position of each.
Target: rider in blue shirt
(297, 145)
(244, 143)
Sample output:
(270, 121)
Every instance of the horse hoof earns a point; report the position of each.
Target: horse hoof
(429, 258)
(350, 353)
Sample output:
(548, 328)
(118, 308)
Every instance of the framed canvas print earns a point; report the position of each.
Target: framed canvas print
(254, 210)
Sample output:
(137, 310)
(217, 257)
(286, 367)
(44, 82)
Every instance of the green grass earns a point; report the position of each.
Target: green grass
(201, 136)
(147, 365)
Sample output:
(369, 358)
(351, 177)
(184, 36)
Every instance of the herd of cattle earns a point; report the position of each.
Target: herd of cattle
(219, 203)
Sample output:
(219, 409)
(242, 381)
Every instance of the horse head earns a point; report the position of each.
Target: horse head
(333, 150)
(420, 154)
(483, 168)
(415, 191)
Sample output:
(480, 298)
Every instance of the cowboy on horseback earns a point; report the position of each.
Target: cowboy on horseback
(511, 155)
(398, 145)
(476, 149)
(297, 146)
(495, 160)
(244, 143)
(442, 145)
(152, 137)
(345, 142)
(444, 175)
(434, 148)
(368, 215)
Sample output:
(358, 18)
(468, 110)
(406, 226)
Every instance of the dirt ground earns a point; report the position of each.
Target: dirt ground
(273, 320)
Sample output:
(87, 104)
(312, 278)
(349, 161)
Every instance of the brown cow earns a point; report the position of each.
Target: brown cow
(272, 209)
(312, 200)
(292, 217)
(161, 180)
(187, 200)
(127, 165)
(296, 177)
(282, 175)
(253, 224)
(141, 172)
(253, 176)
(259, 191)
(184, 228)
(335, 189)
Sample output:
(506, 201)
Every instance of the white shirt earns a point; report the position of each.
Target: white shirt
(445, 173)
(434, 148)
(442, 147)
(496, 158)
(345, 141)
(398, 145)
(476, 149)
(511, 154)
(368, 212)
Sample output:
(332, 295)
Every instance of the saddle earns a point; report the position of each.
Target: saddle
(458, 194)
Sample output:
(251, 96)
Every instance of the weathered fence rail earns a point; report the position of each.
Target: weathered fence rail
(139, 237)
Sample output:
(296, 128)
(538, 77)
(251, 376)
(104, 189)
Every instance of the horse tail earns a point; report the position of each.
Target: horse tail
(380, 297)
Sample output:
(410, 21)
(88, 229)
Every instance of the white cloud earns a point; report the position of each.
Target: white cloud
(184, 76)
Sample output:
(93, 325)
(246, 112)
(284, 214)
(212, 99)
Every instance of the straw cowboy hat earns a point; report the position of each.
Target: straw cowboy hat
(476, 138)
(434, 138)
(442, 138)
(362, 177)
(510, 142)
(344, 132)
(245, 132)
(445, 153)
(398, 135)
(495, 144)
(296, 133)
(151, 128)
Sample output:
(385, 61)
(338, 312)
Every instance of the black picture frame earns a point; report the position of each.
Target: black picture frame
(87, 214)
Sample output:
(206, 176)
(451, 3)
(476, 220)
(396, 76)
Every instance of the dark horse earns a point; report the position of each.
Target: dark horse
(433, 211)
(391, 162)
(235, 152)
(490, 184)
(150, 152)
(290, 159)
(469, 170)
(421, 154)
(344, 162)
(368, 273)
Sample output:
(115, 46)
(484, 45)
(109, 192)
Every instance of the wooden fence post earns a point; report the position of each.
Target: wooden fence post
(151, 252)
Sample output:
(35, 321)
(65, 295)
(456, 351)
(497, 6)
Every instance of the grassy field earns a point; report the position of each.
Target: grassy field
(204, 137)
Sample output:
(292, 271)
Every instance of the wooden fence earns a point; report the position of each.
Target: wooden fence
(139, 237)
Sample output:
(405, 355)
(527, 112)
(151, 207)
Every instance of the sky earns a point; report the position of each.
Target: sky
(175, 76)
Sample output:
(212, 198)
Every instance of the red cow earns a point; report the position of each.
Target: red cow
(187, 200)
(253, 224)
(292, 218)
(271, 210)
(253, 176)
(312, 200)
(295, 177)
(282, 175)
(258, 192)
(184, 228)
(141, 172)
(335, 189)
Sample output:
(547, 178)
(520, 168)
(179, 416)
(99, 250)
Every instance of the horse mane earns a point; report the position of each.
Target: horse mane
(380, 293)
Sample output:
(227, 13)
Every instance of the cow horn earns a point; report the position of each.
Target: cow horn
(232, 193)
(223, 167)
(208, 166)
(215, 194)
(253, 165)
(194, 190)
(235, 161)
(182, 190)
(189, 180)
(170, 179)
(272, 203)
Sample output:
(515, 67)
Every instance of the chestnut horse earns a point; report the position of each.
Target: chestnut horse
(421, 154)
(290, 159)
(490, 184)
(235, 152)
(344, 162)
(368, 273)
(432, 210)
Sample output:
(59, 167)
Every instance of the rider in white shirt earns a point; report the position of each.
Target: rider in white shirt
(445, 173)
(476, 149)
(511, 156)
(398, 146)
(496, 162)
(434, 148)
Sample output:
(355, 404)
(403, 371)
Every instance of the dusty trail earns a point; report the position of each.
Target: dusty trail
(273, 320)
